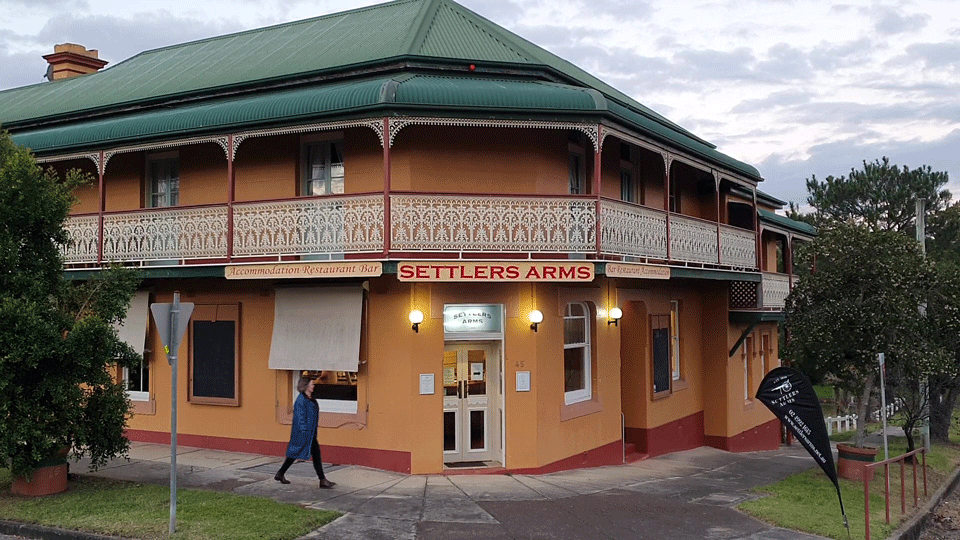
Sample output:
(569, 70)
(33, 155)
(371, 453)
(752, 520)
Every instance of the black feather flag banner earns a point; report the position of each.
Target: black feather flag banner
(790, 396)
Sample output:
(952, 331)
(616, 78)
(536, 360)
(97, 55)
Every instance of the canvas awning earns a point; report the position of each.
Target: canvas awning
(317, 328)
(133, 328)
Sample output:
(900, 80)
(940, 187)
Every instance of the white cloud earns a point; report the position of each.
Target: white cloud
(795, 87)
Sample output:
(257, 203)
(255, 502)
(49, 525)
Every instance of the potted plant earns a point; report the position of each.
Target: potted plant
(57, 342)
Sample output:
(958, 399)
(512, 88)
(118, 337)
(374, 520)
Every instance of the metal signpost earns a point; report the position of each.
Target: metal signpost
(172, 320)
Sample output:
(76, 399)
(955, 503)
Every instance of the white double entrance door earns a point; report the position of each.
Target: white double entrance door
(472, 410)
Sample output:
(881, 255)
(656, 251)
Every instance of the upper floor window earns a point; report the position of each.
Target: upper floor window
(322, 167)
(578, 184)
(627, 188)
(631, 184)
(577, 164)
(674, 195)
(577, 382)
(163, 180)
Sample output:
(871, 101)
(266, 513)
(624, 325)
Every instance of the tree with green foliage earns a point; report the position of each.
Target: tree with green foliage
(860, 298)
(881, 196)
(57, 341)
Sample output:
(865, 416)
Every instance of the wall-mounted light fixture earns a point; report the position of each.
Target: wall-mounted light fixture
(416, 317)
(615, 314)
(535, 319)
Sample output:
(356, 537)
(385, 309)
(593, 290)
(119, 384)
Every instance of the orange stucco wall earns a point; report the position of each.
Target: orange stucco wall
(461, 160)
(397, 416)
(711, 381)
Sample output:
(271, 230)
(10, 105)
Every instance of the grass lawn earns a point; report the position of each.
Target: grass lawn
(808, 501)
(143, 511)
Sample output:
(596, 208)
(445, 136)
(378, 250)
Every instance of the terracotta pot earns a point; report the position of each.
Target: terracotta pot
(48, 478)
(852, 461)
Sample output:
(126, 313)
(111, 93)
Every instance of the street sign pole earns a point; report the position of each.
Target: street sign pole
(172, 358)
(171, 321)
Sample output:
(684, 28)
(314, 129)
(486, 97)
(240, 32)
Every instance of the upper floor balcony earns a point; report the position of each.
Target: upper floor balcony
(407, 225)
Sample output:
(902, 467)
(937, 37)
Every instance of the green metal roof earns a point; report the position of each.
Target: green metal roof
(787, 223)
(311, 52)
(310, 104)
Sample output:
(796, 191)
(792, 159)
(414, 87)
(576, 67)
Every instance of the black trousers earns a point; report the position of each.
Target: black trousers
(314, 454)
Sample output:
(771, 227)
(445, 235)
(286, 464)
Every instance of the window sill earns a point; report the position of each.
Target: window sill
(356, 420)
(582, 408)
(680, 384)
(144, 407)
(660, 395)
(194, 400)
(748, 404)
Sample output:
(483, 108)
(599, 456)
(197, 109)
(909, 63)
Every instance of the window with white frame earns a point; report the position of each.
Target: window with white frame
(335, 391)
(675, 340)
(577, 383)
(137, 379)
(322, 167)
(163, 180)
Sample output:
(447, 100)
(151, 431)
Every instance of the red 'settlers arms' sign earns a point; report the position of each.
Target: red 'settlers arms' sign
(494, 271)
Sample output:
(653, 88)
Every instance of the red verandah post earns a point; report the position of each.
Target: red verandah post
(866, 501)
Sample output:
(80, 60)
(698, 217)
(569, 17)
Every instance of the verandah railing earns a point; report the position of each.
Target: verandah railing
(440, 223)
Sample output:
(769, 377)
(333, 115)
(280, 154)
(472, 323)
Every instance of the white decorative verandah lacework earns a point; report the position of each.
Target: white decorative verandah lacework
(738, 248)
(631, 230)
(692, 240)
(83, 232)
(776, 288)
(344, 224)
(164, 234)
(458, 223)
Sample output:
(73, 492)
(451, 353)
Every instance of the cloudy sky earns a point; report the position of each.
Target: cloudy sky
(795, 87)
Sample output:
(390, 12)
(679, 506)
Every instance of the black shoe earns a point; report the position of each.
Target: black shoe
(326, 484)
(279, 478)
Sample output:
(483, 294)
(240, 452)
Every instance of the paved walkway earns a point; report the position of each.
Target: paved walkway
(685, 495)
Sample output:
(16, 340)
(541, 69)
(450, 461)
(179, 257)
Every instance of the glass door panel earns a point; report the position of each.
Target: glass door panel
(470, 392)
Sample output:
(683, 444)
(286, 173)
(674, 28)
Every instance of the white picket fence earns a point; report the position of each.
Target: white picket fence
(840, 424)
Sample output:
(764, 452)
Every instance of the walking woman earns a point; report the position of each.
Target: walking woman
(303, 434)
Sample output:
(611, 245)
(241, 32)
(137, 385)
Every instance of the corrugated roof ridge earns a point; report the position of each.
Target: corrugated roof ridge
(481, 24)
(427, 13)
(518, 43)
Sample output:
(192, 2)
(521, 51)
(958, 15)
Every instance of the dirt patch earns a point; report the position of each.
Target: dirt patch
(944, 522)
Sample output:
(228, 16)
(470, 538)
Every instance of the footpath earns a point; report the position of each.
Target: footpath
(689, 495)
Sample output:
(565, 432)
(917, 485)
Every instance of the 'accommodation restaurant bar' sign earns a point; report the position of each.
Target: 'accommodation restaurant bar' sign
(304, 270)
(494, 271)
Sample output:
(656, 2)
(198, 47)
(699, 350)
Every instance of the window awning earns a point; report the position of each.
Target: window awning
(317, 328)
(133, 329)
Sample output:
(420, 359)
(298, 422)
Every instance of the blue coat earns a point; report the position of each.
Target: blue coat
(304, 429)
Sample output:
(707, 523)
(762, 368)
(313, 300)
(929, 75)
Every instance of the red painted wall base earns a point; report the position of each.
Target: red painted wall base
(687, 433)
(763, 437)
(390, 460)
(682, 434)
(608, 454)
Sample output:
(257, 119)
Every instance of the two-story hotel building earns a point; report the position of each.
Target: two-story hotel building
(493, 258)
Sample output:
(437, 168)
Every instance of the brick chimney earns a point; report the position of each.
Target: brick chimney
(69, 60)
